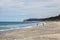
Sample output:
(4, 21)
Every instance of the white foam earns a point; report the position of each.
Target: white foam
(2, 30)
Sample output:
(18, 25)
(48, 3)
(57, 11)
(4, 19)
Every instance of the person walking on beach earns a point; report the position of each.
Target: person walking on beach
(43, 24)
(37, 24)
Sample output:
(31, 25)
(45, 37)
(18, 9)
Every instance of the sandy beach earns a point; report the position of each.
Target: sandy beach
(50, 31)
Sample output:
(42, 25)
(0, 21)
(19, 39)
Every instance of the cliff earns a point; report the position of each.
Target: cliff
(55, 18)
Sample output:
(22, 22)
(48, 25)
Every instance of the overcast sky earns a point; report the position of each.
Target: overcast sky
(18, 10)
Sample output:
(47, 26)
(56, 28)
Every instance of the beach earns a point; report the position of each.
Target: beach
(50, 31)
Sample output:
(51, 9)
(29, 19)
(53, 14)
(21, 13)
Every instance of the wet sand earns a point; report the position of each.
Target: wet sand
(50, 31)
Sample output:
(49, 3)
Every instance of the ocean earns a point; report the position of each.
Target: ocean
(4, 26)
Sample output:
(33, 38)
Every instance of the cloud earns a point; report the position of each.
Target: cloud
(10, 4)
(29, 8)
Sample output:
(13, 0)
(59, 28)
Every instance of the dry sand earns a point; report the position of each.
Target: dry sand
(50, 31)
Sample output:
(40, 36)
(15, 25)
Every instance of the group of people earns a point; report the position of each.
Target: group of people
(42, 24)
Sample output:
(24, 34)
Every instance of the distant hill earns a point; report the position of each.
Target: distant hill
(55, 18)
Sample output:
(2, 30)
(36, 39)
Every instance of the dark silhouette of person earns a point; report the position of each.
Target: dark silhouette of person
(37, 24)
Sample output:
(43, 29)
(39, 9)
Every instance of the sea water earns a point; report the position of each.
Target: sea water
(16, 25)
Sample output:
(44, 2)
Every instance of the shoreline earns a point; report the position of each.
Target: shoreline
(39, 24)
(35, 33)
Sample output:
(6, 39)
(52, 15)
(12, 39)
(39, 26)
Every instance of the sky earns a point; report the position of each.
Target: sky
(18, 10)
